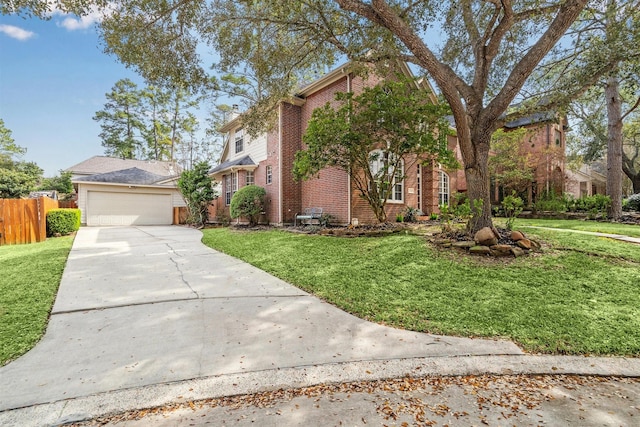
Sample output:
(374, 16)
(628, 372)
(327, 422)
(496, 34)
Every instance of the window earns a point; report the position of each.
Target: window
(249, 178)
(269, 174)
(398, 185)
(230, 187)
(239, 141)
(380, 159)
(558, 137)
(227, 190)
(443, 189)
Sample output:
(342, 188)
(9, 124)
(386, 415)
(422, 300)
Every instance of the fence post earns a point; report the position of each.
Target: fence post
(42, 220)
(2, 223)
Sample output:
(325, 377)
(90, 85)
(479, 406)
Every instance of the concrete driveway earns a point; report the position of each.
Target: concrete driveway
(141, 306)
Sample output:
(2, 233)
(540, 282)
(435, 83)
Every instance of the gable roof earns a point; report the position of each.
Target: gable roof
(534, 118)
(103, 164)
(126, 176)
(245, 162)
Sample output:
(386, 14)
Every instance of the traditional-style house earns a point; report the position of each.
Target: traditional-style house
(585, 181)
(543, 147)
(267, 161)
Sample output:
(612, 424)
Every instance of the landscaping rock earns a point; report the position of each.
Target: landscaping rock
(516, 235)
(524, 243)
(480, 250)
(500, 250)
(442, 241)
(499, 254)
(485, 237)
(535, 244)
(517, 252)
(464, 244)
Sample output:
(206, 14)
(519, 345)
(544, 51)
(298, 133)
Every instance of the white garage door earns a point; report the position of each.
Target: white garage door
(110, 208)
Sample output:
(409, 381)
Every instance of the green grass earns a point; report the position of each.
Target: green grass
(28, 284)
(572, 224)
(581, 299)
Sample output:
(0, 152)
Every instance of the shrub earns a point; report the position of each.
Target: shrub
(595, 203)
(196, 187)
(411, 214)
(62, 221)
(248, 202)
(632, 203)
(326, 219)
(512, 206)
(462, 210)
(551, 202)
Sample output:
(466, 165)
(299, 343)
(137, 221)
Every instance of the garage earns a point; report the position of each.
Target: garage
(121, 208)
(127, 197)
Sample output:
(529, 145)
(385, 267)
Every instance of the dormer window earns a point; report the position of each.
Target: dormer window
(239, 141)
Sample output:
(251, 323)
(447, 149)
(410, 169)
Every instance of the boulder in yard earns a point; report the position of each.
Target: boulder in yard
(464, 244)
(517, 252)
(480, 250)
(524, 243)
(485, 237)
(516, 235)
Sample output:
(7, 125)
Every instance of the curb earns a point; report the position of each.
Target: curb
(118, 401)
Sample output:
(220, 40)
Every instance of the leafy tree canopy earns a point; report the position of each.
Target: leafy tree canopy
(60, 183)
(8, 147)
(17, 177)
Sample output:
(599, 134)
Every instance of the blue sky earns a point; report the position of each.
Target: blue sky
(53, 78)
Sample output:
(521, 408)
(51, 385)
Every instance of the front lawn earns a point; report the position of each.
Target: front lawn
(582, 298)
(28, 284)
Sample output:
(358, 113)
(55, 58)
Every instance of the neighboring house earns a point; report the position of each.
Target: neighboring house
(52, 194)
(586, 181)
(267, 161)
(114, 191)
(544, 146)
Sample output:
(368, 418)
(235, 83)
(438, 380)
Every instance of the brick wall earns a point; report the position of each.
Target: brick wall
(273, 190)
(291, 144)
(330, 189)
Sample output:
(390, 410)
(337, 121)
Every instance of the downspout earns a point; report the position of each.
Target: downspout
(349, 175)
(280, 201)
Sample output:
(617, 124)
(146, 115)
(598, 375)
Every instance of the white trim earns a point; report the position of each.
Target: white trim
(441, 174)
(119, 184)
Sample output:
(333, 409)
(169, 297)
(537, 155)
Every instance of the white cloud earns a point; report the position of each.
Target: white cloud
(82, 23)
(16, 32)
(73, 23)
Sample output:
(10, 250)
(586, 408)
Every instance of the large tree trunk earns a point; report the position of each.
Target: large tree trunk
(614, 146)
(629, 169)
(478, 188)
(635, 181)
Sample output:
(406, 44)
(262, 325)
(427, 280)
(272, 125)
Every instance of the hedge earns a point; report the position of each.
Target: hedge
(62, 221)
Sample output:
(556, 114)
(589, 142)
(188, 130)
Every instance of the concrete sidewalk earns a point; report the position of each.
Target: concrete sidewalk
(620, 237)
(149, 315)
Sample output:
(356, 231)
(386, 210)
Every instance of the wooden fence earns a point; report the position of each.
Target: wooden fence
(24, 220)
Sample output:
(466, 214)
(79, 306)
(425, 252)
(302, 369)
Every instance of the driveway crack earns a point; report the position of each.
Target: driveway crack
(175, 262)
